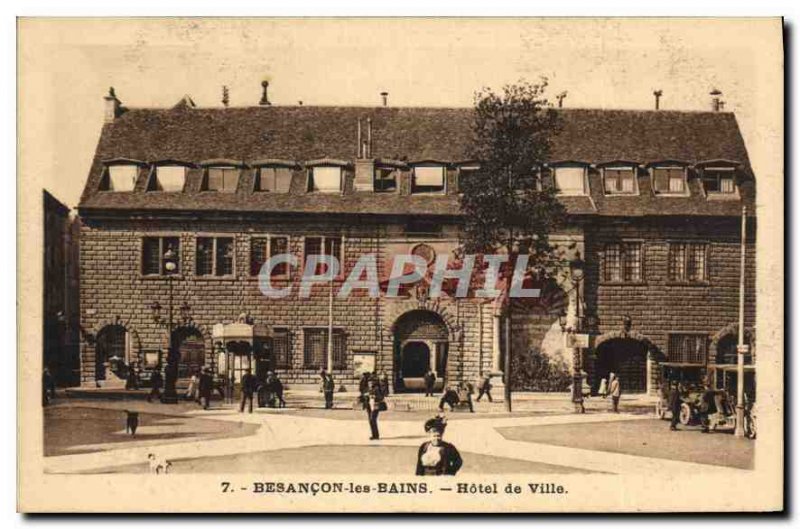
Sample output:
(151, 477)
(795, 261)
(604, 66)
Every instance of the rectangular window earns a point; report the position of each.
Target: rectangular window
(385, 179)
(619, 181)
(154, 250)
(274, 179)
(687, 348)
(122, 177)
(428, 179)
(328, 245)
(718, 182)
(622, 262)
(262, 248)
(222, 179)
(325, 179)
(214, 256)
(169, 178)
(669, 180)
(281, 348)
(687, 262)
(571, 180)
(315, 349)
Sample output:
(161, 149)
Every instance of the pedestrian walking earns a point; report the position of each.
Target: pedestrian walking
(430, 380)
(131, 422)
(205, 386)
(363, 384)
(191, 391)
(437, 457)
(465, 390)
(249, 388)
(603, 389)
(328, 387)
(156, 383)
(485, 388)
(615, 391)
(132, 380)
(374, 403)
(449, 397)
(674, 401)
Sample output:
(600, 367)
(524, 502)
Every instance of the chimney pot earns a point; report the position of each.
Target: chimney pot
(658, 94)
(715, 100)
(113, 107)
(385, 96)
(264, 99)
(225, 98)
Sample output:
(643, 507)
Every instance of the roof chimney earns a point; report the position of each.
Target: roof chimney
(225, 98)
(716, 103)
(657, 93)
(264, 99)
(385, 96)
(560, 98)
(113, 106)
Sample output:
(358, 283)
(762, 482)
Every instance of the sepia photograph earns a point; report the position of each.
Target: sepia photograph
(400, 265)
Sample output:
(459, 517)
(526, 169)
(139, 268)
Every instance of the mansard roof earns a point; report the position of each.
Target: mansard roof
(306, 133)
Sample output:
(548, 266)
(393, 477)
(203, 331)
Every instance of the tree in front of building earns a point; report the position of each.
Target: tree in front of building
(506, 205)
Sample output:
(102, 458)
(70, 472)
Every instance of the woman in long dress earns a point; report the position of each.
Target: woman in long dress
(437, 457)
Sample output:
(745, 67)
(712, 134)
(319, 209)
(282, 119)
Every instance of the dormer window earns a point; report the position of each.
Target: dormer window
(386, 179)
(428, 179)
(718, 181)
(168, 178)
(221, 179)
(619, 180)
(571, 179)
(273, 179)
(121, 177)
(670, 181)
(325, 179)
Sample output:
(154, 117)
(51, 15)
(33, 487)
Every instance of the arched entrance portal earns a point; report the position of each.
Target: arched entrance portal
(111, 347)
(191, 347)
(627, 358)
(421, 343)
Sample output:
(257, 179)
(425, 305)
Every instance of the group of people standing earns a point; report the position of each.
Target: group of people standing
(611, 388)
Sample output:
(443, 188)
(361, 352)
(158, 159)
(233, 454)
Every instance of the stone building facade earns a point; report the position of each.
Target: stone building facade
(654, 202)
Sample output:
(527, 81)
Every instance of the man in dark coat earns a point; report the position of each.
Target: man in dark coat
(430, 379)
(450, 397)
(328, 387)
(363, 384)
(374, 403)
(485, 388)
(674, 401)
(249, 388)
(204, 387)
(437, 457)
(156, 383)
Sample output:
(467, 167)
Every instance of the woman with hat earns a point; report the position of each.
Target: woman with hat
(437, 457)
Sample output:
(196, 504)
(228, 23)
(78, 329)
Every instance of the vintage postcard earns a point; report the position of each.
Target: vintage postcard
(400, 265)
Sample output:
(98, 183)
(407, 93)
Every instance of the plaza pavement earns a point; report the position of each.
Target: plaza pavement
(287, 428)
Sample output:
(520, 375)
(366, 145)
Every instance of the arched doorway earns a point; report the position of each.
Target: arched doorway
(190, 344)
(421, 340)
(627, 358)
(112, 344)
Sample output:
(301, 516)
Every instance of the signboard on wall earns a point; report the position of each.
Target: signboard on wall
(576, 341)
(364, 362)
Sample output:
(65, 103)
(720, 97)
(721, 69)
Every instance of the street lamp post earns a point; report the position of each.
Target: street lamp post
(171, 372)
(576, 268)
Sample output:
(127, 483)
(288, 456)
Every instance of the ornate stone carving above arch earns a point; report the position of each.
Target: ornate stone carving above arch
(396, 309)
